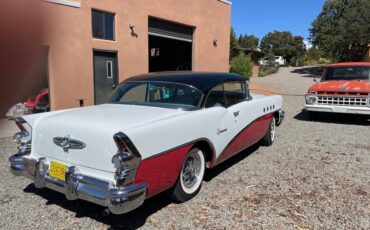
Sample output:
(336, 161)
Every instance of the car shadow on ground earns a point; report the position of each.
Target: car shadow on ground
(335, 118)
(214, 172)
(138, 217)
(309, 72)
(132, 220)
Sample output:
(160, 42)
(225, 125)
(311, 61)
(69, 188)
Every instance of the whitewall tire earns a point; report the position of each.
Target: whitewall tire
(191, 176)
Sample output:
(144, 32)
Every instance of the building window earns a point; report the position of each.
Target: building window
(103, 25)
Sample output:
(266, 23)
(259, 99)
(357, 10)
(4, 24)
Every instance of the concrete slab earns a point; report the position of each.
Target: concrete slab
(263, 89)
(7, 128)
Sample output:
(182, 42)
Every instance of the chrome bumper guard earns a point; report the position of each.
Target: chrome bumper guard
(280, 118)
(77, 186)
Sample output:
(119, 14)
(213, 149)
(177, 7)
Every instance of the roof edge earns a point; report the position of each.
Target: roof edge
(66, 3)
(226, 2)
(349, 64)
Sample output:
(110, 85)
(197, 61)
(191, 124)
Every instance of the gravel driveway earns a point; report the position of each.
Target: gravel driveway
(315, 176)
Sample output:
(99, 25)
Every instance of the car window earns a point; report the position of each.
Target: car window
(159, 94)
(137, 93)
(347, 73)
(235, 92)
(226, 94)
(216, 97)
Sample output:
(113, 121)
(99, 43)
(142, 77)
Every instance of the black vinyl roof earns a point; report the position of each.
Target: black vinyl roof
(204, 81)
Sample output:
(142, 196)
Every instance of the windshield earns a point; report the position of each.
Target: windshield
(347, 73)
(159, 94)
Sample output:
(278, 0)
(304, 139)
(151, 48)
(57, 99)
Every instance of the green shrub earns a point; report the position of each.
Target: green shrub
(261, 73)
(324, 61)
(267, 70)
(311, 62)
(297, 61)
(242, 65)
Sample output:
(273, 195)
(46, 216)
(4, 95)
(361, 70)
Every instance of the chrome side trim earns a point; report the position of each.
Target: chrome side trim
(183, 145)
(78, 186)
(219, 158)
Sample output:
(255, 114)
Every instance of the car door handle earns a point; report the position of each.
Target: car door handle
(236, 113)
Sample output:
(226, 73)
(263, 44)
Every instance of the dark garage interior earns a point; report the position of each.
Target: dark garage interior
(169, 54)
(170, 46)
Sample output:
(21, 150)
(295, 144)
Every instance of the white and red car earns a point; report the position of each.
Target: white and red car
(157, 132)
(344, 88)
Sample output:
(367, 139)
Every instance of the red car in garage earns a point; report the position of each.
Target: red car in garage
(39, 103)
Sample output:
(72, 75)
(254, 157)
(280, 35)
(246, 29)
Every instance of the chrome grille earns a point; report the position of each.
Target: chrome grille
(342, 101)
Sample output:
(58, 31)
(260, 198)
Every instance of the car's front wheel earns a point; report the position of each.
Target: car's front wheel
(191, 176)
(269, 137)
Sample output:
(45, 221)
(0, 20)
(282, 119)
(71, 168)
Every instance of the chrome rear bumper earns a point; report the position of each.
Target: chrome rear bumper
(78, 186)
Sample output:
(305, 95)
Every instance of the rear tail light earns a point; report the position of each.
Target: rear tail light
(126, 161)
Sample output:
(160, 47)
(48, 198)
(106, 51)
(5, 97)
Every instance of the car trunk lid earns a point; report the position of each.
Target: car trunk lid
(93, 127)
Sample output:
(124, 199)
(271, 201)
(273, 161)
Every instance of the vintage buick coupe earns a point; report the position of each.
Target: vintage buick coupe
(344, 88)
(156, 132)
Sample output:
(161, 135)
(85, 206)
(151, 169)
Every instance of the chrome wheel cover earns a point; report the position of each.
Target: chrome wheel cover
(272, 129)
(192, 172)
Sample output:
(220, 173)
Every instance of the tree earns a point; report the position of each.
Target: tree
(314, 54)
(342, 29)
(283, 43)
(234, 44)
(248, 41)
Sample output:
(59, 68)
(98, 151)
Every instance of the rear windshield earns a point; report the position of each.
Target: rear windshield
(158, 94)
(347, 73)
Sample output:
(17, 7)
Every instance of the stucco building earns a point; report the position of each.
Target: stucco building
(92, 45)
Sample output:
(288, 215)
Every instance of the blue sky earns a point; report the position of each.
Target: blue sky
(258, 17)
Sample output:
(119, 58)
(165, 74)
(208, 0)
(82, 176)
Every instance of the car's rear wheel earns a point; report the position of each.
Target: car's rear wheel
(269, 137)
(191, 176)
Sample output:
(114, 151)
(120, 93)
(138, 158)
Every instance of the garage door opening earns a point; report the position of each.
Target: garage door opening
(170, 46)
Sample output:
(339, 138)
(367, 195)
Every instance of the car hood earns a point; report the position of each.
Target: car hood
(342, 86)
(95, 127)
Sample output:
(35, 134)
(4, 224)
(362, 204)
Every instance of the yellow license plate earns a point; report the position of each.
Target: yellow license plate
(57, 170)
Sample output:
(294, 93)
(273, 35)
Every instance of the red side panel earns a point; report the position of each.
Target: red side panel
(161, 172)
(247, 137)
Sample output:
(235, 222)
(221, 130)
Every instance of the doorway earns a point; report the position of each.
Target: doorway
(105, 75)
(170, 46)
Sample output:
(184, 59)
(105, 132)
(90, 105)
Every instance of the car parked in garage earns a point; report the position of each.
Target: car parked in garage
(39, 103)
(157, 132)
(344, 88)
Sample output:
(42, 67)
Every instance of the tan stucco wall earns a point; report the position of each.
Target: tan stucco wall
(255, 70)
(71, 43)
